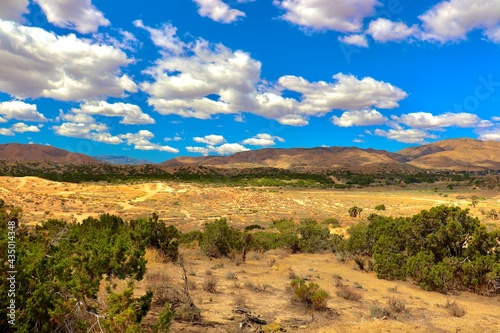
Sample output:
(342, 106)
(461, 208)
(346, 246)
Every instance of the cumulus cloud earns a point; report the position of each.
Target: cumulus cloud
(405, 135)
(357, 40)
(490, 134)
(347, 93)
(429, 121)
(339, 15)
(131, 114)
(79, 15)
(263, 139)
(21, 111)
(384, 30)
(199, 150)
(23, 128)
(200, 80)
(36, 63)
(452, 20)
(6, 132)
(218, 11)
(18, 128)
(225, 149)
(211, 139)
(359, 118)
(92, 131)
(13, 10)
(142, 141)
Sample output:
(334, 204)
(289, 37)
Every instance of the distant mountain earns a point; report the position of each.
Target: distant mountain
(112, 159)
(15, 152)
(455, 154)
(310, 159)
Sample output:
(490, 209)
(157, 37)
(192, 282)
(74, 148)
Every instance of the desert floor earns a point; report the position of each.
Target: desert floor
(189, 206)
(261, 282)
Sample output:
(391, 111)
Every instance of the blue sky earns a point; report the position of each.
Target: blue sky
(159, 79)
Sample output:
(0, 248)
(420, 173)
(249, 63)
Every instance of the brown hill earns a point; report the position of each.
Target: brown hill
(15, 152)
(455, 154)
(351, 158)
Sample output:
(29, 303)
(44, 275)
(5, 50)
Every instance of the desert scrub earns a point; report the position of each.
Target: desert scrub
(454, 309)
(348, 293)
(397, 305)
(309, 294)
(210, 284)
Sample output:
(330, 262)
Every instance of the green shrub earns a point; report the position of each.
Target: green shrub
(219, 239)
(314, 237)
(355, 211)
(164, 319)
(333, 221)
(380, 207)
(440, 249)
(309, 294)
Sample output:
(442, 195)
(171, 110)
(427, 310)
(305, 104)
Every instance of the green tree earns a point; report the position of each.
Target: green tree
(355, 211)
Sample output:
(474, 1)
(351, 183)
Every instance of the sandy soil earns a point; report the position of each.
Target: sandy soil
(270, 272)
(189, 206)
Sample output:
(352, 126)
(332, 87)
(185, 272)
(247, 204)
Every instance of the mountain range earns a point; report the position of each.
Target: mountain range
(453, 154)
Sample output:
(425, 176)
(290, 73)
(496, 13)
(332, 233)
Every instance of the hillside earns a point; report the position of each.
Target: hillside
(15, 152)
(310, 159)
(112, 159)
(455, 154)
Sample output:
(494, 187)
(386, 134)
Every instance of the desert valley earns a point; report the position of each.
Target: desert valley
(228, 294)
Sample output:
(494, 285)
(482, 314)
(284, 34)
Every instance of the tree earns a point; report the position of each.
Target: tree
(355, 211)
(474, 200)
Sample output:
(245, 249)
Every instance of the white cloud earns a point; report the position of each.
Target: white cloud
(358, 140)
(263, 139)
(79, 15)
(452, 20)
(429, 121)
(384, 30)
(492, 134)
(12, 10)
(77, 118)
(293, 120)
(131, 114)
(347, 93)
(218, 11)
(339, 15)
(21, 111)
(225, 149)
(92, 131)
(175, 138)
(495, 118)
(6, 132)
(204, 80)
(200, 150)
(36, 63)
(357, 40)
(229, 148)
(359, 118)
(23, 128)
(142, 141)
(211, 139)
(165, 37)
(405, 135)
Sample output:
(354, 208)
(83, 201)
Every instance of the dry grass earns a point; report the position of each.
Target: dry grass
(454, 309)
